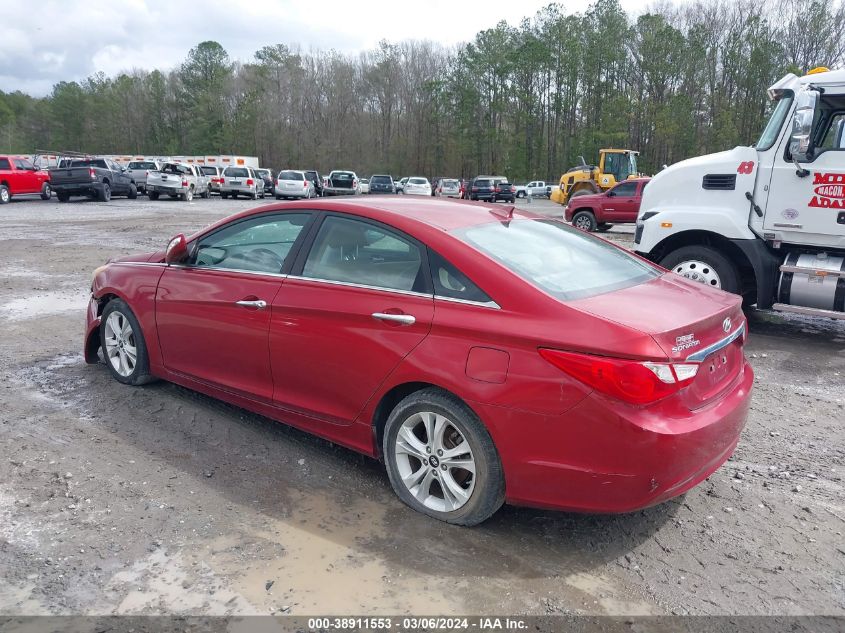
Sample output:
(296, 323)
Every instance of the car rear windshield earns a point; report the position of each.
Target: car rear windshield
(417, 181)
(142, 165)
(236, 172)
(291, 175)
(483, 182)
(381, 180)
(566, 263)
(450, 183)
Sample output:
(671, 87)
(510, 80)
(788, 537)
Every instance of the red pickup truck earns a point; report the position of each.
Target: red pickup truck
(600, 211)
(19, 176)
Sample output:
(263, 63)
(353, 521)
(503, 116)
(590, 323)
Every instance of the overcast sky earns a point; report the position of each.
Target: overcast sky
(43, 42)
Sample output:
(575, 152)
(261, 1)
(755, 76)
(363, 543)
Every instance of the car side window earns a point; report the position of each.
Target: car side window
(357, 252)
(452, 283)
(625, 189)
(260, 244)
(4, 163)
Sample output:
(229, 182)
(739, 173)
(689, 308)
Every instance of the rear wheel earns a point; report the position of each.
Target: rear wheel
(441, 460)
(104, 193)
(5, 194)
(46, 191)
(133, 191)
(123, 345)
(704, 265)
(584, 220)
(62, 196)
(188, 195)
(153, 195)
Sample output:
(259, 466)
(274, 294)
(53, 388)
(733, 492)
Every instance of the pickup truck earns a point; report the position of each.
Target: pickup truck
(178, 180)
(341, 183)
(138, 170)
(20, 176)
(98, 178)
(600, 211)
(535, 188)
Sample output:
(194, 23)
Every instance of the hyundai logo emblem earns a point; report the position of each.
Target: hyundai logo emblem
(726, 325)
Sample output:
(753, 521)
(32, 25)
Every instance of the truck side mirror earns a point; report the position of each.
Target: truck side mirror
(801, 138)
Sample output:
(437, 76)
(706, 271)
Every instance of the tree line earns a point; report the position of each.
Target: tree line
(524, 101)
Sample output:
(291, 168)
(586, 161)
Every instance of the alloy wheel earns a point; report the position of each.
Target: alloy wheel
(121, 350)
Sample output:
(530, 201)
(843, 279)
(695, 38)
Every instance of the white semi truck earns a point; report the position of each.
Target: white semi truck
(767, 221)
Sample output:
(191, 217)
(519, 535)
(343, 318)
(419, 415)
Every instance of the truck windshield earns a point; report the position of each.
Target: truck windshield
(773, 127)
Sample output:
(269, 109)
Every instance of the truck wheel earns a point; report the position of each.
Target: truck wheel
(104, 194)
(133, 191)
(585, 221)
(5, 194)
(521, 194)
(188, 195)
(62, 196)
(46, 191)
(704, 265)
(153, 195)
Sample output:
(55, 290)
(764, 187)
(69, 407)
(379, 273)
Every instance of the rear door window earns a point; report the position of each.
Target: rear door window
(4, 163)
(563, 262)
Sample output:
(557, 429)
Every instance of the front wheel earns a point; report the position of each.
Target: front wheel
(5, 195)
(704, 265)
(46, 191)
(133, 191)
(123, 345)
(584, 220)
(441, 460)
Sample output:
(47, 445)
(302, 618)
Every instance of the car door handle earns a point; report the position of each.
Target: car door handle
(402, 319)
(258, 303)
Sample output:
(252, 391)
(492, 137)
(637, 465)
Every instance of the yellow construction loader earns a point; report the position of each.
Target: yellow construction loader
(614, 166)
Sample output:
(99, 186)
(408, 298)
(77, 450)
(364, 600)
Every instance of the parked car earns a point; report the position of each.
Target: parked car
(293, 184)
(435, 342)
(600, 211)
(99, 178)
(341, 183)
(267, 176)
(400, 185)
(381, 183)
(215, 177)
(241, 181)
(138, 170)
(535, 188)
(178, 180)
(417, 186)
(364, 183)
(19, 176)
(449, 188)
(504, 191)
(435, 183)
(481, 189)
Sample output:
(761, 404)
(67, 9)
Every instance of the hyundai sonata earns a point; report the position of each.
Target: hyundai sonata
(484, 354)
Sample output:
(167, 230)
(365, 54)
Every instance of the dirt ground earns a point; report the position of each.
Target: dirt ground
(127, 500)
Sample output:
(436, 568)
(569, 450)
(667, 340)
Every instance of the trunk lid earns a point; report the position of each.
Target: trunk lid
(689, 321)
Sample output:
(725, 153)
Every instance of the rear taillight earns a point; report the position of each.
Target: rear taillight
(305, 184)
(634, 382)
(250, 182)
(276, 182)
(354, 184)
(185, 183)
(92, 173)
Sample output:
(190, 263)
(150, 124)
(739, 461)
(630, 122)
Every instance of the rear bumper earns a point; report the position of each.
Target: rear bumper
(602, 456)
(77, 188)
(333, 191)
(166, 190)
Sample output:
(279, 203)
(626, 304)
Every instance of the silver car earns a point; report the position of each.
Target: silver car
(293, 184)
(214, 177)
(449, 188)
(241, 181)
(139, 169)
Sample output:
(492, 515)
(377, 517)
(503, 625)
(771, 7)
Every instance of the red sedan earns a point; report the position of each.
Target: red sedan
(484, 354)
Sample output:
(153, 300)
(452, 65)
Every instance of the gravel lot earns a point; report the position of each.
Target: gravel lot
(158, 500)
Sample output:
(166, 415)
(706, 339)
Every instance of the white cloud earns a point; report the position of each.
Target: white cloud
(73, 39)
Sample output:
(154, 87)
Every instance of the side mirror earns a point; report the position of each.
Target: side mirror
(801, 139)
(177, 250)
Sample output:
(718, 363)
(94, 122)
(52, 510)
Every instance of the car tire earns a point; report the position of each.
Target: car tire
(188, 195)
(46, 191)
(133, 191)
(153, 195)
(419, 415)
(61, 196)
(205, 194)
(704, 265)
(521, 194)
(584, 220)
(253, 196)
(104, 193)
(120, 333)
(5, 194)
